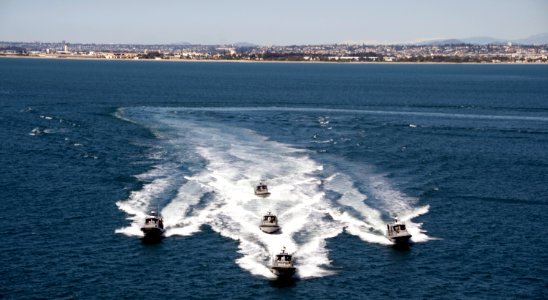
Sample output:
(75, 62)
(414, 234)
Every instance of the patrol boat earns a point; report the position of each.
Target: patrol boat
(154, 226)
(397, 233)
(269, 224)
(282, 264)
(262, 190)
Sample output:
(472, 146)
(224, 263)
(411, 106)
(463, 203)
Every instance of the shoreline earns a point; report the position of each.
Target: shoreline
(269, 61)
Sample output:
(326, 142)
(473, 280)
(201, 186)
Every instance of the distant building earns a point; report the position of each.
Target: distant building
(65, 49)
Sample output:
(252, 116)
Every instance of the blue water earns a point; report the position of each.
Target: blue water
(459, 152)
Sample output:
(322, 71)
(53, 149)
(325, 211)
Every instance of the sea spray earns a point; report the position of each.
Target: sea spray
(207, 173)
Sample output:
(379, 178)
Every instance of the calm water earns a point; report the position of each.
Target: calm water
(460, 152)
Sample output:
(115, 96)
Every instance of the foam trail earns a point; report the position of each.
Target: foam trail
(323, 120)
(400, 205)
(137, 205)
(358, 218)
(187, 196)
(231, 173)
(206, 173)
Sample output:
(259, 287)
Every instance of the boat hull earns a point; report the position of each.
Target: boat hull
(269, 228)
(262, 194)
(400, 240)
(152, 232)
(283, 272)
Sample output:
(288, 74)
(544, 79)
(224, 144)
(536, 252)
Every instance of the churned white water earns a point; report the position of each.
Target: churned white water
(205, 175)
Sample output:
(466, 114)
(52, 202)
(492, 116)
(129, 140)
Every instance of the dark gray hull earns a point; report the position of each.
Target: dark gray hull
(283, 272)
(401, 240)
(152, 233)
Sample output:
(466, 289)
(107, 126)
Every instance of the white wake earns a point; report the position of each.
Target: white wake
(206, 175)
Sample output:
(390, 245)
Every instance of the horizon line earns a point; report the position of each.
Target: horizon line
(432, 42)
(417, 41)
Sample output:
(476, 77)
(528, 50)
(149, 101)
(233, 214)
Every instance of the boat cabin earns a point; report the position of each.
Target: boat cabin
(154, 220)
(397, 232)
(262, 190)
(396, 228)
(269, 218)
(283, 257)
(269, 223)
(262, 187)
(282, 264)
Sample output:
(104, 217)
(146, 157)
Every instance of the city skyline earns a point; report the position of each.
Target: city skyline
(285, 23)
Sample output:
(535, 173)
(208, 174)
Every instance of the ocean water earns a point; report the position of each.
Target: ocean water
(458, 152)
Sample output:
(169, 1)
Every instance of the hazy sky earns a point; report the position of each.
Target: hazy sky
(279, 22)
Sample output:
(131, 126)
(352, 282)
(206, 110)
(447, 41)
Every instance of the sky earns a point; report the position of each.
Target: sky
(279, 22)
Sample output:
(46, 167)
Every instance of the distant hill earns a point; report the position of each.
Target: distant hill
(440, 42)
(181, 44)
(472, 40)
(539, 39)
(483, 40)
(244, 44)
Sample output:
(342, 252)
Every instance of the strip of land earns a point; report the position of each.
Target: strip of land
(450, 53)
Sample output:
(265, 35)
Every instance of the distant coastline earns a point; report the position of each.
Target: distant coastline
(329, 53)
(75, 58)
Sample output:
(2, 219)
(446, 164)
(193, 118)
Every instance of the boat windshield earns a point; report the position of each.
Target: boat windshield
(270, 219)
(283, 257)
(399, 227)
